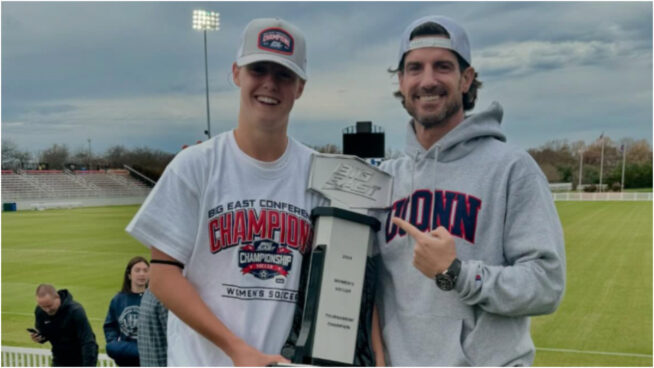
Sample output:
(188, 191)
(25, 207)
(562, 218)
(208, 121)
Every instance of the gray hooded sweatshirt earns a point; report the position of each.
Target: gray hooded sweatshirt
(495, 201)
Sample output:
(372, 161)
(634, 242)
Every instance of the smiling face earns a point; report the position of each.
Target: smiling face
(432, 86)
(268, 92)
(139, 275)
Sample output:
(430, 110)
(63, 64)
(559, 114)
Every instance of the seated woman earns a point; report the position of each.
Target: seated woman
(120, 326)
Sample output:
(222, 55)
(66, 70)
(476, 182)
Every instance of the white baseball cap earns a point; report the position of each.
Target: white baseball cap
(274, 40)
(458, 41)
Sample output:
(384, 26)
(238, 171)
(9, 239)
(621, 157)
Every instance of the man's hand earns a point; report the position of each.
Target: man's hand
(433, 252)
(37, 338)
(246, 356)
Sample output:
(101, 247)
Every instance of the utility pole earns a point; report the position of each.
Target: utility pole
(581, 167)
(623, 148)
(601, 162)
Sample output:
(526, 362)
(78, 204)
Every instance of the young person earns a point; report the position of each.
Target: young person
(121, 323)
(472, 245)
(234, 212)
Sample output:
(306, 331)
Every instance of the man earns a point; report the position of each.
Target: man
(63, 322)
(233, 212)
(472, 245)
(153, 317)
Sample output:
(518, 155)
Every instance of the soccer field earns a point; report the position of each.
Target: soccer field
(606, 314)
(83, 250)
(605, 318)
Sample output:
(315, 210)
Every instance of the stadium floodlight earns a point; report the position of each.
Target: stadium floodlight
(206, 21)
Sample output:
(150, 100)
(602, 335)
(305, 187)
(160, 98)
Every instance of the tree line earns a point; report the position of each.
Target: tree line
(148, 161)
(559, 160)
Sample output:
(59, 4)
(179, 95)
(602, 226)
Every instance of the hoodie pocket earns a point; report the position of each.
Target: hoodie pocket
(424, 340)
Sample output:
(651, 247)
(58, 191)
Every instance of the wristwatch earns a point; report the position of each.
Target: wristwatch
(447, 280)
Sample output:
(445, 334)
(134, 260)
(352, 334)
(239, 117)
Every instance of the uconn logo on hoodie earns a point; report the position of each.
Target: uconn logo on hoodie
(427, 210)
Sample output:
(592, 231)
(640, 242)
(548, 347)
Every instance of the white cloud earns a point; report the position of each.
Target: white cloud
(519, 58)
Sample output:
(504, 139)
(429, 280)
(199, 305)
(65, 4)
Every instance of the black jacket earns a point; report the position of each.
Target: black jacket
(69, 332)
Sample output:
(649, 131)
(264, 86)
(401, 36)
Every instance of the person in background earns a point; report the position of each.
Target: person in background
(62, 321)
(121, 324)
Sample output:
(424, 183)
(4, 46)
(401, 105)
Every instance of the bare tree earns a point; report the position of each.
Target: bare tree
(56, 156)
(81, 158)
(12, 156)
(116, 156)
(638, 152)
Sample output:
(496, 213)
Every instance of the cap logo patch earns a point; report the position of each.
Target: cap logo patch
(276, 40)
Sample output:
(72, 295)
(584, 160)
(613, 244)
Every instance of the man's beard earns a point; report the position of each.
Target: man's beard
(441, 118)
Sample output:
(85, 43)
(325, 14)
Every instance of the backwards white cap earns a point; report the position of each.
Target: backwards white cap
(458, 41)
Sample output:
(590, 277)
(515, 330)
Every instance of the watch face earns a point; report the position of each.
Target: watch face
(444, 282)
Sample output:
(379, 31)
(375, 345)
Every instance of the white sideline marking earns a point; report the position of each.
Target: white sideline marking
(594, 352)
(65, 251)
(32, 315)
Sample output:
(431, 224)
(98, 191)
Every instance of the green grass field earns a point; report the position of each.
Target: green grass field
(639, 190)
(83, 250)
(607, 307)
(605, 318)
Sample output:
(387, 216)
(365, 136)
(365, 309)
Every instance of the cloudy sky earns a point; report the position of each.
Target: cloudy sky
(133, 73)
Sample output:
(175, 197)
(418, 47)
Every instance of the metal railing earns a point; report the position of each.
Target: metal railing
(13, 356)
(139, 174)
(604, 196)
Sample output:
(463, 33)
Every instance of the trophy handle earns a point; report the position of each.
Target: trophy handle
(305, 337)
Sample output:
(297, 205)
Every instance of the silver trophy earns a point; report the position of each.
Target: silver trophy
(333, 315)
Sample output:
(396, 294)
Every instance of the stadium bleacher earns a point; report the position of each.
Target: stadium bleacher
(57, 184)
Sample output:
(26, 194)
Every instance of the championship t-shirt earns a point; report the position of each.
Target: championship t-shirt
(241, 227)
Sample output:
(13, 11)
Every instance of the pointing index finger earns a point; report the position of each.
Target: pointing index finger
(406, 226)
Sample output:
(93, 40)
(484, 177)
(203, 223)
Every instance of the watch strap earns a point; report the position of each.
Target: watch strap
(447, 280)
(455, 268)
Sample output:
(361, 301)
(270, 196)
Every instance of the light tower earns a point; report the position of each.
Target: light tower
(206, 21)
